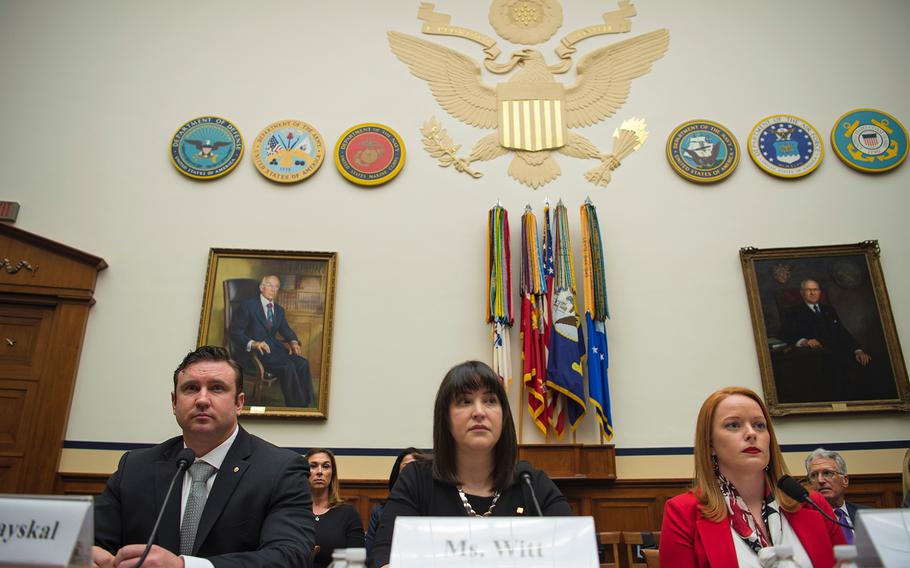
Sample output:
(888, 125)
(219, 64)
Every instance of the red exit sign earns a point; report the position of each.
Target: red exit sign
(9, 210)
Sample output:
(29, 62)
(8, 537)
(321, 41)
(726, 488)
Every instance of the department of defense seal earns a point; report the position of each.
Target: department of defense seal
(786, 146)
(207, 147)
(369, 154)
(702, 151)
(869, 140)
(288, 151)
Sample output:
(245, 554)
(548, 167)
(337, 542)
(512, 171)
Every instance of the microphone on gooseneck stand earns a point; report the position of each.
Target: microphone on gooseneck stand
(184, 459)
(524, 472)
(795, 490)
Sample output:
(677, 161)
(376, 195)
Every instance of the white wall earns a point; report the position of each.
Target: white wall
(92, 92)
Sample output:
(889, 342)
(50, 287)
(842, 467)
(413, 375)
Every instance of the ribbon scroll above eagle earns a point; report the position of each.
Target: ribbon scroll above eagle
(532, 112)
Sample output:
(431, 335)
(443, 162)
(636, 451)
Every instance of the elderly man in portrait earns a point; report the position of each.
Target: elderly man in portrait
(827, 473)
(257, 325)
(242, 502)
(817, 327)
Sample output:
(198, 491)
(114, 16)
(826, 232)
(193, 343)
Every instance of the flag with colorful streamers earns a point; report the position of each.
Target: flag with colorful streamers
(596, 313)
(556, 408)
(564, 368)
(533, 299)
(499, 280)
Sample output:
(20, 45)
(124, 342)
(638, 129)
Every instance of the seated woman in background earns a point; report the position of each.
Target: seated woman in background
(405, 457)
(735, 508)
(338, 524)
(475, 455)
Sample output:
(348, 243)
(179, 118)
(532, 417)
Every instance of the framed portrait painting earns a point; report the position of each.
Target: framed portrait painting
(824, 331)
(273, 311)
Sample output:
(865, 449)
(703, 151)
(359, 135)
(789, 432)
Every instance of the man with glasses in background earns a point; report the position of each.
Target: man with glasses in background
(827, 472)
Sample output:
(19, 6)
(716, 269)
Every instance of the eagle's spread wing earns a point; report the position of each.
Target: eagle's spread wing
(196, 143)
(454, 79)
(605, 74)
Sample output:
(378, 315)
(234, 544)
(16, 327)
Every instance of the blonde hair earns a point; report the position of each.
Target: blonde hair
(906, 474)
(334, 484)
(704, 484)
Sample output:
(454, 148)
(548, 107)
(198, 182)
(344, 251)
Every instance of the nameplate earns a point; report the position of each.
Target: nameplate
(540, 542)
(40, 530)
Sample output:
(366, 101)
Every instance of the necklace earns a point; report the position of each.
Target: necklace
(470, 510)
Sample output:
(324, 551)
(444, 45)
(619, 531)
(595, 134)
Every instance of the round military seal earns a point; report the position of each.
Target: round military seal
(869, 140)
(786, 146)
(207, 147)
(288, 151)
(702, 151)
(369, 154)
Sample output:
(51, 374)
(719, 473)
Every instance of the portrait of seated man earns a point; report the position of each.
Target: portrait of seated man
(833, 363)
(260, 325)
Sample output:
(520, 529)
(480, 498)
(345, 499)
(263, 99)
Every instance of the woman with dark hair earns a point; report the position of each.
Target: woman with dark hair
(475, 456)
(338, 524)
(405, 457)
(735, 508)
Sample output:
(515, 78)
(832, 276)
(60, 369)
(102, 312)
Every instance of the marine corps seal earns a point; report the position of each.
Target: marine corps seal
(288, 151)
(206, 147)
(369, 154)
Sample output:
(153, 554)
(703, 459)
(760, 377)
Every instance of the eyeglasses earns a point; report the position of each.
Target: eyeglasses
(826, 474)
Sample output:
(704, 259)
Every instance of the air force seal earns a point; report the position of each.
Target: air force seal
(207, 147)
(288, 151)
(786, 146)
(702, 151)
(369, 154)
(869, 140)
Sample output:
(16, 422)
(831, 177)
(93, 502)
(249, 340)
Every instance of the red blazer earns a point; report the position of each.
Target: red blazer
(688, 540)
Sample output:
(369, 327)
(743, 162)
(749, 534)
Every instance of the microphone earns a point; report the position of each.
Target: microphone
(184, 459)
(795, 490)
(524, 472)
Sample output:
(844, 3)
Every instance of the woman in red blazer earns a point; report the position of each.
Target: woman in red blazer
(734, 508)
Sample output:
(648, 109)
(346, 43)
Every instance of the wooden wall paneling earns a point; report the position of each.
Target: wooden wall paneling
(636, 505)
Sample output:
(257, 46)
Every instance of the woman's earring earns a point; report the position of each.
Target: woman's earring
(715, 464)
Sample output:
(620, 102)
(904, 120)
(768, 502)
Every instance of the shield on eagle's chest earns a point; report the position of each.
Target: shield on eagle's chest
(531, 117)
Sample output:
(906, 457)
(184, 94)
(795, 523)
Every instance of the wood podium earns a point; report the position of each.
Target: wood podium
(46, 289)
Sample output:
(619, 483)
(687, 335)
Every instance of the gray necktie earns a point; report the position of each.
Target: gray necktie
(200, 472)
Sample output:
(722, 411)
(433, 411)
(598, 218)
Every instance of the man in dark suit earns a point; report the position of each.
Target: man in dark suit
(248, 500)
(817, 327)
(827, 473)
(257, 324)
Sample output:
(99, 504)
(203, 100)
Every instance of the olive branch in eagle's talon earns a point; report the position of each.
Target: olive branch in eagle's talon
(436, 141)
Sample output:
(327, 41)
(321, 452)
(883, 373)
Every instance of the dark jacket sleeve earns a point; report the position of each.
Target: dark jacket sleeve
(370, 538)
(409, 498)
(108, 532)
(552, 501)
(287, 533)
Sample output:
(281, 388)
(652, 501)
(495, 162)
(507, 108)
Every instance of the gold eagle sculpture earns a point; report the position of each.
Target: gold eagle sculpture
(532, 112)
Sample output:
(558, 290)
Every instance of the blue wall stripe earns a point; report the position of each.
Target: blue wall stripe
(668, 451)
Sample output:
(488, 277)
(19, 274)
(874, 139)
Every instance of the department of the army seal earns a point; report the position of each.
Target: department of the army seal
(369, 154)
(869, 140)
(702, 151)
(207, 147)
(786, 146)
(288, 151)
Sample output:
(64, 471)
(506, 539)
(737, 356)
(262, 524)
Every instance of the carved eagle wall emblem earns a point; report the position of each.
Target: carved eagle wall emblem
(533, 113)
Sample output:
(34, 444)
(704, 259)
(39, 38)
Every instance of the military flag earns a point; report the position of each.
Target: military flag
(499, 280)
(556, 408)
(564, 368)
(533, 299)
(596, 313)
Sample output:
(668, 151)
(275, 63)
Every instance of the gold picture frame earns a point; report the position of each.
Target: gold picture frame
(304, 306)
(844, 355)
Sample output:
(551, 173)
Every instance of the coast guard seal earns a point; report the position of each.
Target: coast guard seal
(369, 154)
(702, 151)
(206, 147)
(869, 140)
(786, 146)
(288, 151)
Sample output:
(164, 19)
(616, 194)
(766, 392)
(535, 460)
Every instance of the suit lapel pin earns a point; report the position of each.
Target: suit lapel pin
(236, 469)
